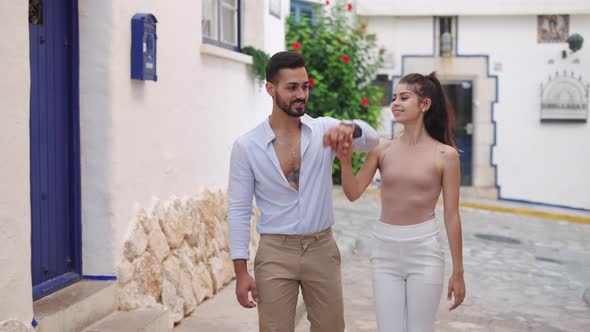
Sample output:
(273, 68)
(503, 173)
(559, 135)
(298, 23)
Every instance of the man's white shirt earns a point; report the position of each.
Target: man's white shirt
(255, 171)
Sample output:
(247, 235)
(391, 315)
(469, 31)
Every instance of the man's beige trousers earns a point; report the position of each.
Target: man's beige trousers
(283, 263)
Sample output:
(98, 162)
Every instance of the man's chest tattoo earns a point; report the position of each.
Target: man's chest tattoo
(293, 178)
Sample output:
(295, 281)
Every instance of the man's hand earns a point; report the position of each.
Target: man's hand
(344, 154)
(244, 285)
(339, 137)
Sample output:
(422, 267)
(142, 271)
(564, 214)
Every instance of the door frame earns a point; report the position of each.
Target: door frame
(66, 279)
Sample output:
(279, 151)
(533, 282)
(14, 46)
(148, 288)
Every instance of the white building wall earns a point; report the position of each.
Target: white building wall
(96, 138)
(275, 27)
(158, 139)
(470, 7)
(541, 162)
(15, 210)
(401, 36)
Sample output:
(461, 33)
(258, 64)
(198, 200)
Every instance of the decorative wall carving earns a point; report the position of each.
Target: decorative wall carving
(564, 97)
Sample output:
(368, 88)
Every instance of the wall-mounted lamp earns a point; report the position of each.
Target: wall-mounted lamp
(574, 42)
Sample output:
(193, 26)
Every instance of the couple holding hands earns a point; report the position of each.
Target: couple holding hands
(286, 164)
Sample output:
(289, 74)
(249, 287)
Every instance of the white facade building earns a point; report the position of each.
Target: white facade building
(124, 143)
(501, 53)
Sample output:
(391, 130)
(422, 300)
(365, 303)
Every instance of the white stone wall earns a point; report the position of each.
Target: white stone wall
(177, 255)
(15, 210)
(157, 139)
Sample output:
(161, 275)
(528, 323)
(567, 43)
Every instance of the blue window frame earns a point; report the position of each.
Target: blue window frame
(221, 23)
(300, 8)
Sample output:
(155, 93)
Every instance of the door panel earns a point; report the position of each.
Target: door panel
(50, 146)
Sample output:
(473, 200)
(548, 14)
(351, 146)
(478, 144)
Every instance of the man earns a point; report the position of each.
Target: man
(286, 163)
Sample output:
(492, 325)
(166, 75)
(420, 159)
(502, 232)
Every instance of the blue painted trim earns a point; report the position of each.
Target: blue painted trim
(76, 191)
(99, 278)
(54, 284)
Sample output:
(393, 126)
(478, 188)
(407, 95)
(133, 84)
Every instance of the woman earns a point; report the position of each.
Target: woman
(408, 259)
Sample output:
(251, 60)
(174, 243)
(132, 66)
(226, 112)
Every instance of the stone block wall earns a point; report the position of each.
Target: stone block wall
(177, 255)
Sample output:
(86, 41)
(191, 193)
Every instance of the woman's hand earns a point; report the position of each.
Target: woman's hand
(456, 289)
(344, 152)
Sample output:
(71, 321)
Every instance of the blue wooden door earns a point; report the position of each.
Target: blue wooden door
(460, 95)
(53, 264)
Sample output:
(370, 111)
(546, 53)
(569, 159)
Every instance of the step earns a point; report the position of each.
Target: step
(75, 307)
(154, 320)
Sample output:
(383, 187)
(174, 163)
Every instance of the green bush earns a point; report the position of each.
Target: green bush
(341, 60)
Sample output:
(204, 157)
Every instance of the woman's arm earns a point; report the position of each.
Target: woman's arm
(450, 186)
(354, 186)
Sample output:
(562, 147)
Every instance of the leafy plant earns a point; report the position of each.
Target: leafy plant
(259, 60)
(342, 60)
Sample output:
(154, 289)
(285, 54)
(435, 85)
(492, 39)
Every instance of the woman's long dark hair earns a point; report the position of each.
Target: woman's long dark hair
(439, 119)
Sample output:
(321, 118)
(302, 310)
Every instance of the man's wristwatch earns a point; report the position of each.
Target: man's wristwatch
(348, 123)
(356, 130)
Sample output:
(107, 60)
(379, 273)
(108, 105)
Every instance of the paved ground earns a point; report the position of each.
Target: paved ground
(522, 273)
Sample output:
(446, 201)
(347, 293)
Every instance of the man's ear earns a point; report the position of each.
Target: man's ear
(270, 89)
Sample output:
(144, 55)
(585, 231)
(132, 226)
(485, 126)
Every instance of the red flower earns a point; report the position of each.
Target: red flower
(365, 102)
(296, 46)
(345, 58)
(363, 26)
(327, 2)
(311, 82)
(349, 7)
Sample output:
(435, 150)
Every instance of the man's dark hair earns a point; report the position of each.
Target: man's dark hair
(282, 60)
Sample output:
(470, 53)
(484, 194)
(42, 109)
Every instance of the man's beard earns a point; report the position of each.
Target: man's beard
(291, 111)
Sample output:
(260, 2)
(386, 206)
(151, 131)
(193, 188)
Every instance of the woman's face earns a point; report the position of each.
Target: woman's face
(407, 106)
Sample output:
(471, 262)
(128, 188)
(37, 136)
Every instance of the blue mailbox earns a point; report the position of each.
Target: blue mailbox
(143, 47)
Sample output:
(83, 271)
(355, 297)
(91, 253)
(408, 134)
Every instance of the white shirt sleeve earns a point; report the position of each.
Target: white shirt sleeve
(368, 139)
(240, 192)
